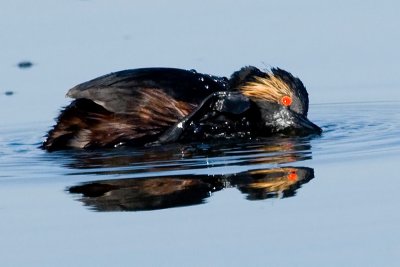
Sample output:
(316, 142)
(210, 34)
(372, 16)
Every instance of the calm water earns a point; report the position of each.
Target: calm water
(287, 201)
(324, 201)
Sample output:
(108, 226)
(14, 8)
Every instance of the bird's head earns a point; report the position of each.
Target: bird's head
(281, 98)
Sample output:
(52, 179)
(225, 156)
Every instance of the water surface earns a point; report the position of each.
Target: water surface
(259, 199)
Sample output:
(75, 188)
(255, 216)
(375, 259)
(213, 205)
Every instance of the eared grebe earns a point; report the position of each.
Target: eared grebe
(162, 105)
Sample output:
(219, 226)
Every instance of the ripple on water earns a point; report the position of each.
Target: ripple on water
(358, 129)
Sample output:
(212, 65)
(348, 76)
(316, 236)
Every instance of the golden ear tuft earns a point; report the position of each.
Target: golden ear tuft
(270, 88)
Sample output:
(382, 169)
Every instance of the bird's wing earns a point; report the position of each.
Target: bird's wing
(232, 103)
(130, 91)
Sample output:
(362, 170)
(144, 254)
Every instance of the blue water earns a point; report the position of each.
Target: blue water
(322, 201)
(198, 202)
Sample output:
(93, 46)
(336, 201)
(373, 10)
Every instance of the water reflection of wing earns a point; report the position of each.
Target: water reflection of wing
(166, 192)
(146, 193)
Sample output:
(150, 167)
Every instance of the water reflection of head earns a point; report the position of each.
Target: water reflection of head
(272, 183)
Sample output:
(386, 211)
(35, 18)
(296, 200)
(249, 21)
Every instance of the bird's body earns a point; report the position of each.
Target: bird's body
(160, 105)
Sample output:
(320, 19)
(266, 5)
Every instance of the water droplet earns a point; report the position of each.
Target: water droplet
(119, 144)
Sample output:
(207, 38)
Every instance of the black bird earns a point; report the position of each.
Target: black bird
(162, 105)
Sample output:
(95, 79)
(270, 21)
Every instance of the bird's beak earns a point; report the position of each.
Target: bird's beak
(304, 126)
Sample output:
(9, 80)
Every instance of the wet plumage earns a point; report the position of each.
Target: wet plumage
(161, 105)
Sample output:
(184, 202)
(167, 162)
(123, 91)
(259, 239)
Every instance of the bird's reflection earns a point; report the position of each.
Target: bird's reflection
(134, 192)
(152, 193)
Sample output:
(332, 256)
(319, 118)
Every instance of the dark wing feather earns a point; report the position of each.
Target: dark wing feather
(121, 91)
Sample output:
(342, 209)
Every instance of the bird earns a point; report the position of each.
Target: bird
(156, 106)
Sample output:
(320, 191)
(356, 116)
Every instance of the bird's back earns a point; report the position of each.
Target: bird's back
(130, 106)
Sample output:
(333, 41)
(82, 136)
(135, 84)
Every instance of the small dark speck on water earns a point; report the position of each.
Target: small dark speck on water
(126, 37)
(25, 64)
(8, 93)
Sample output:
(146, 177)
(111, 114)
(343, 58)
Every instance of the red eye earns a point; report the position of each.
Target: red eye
(292, 176)
(286, 101)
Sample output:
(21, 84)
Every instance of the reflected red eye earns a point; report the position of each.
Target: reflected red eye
(286, 100)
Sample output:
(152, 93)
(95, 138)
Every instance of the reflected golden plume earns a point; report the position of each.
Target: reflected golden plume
(279, 180)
